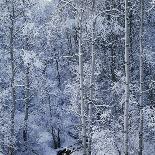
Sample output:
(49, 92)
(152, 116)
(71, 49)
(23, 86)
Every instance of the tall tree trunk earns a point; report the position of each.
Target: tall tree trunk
(91, 81)
(83, 121)
(51, 127)
(55, 132)
(113, 58)
(13, 91)
(58, 74)
(58, 138)
(59, 86)
(141, 80)
(54, 138)
(126, 109)
(27, 100)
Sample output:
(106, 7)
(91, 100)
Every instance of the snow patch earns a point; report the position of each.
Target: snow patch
(44, 137)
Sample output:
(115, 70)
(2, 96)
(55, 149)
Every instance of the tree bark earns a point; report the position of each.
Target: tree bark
(13, 91)
(140, 152)
(83, 121)
(51, 127)
(126, 109)
(27, 100)
(91, 81)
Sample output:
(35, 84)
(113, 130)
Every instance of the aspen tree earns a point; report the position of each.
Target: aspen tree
(126, 108)
(27, 102)
(78, 38)
(13, 12)
(13, 91)
(140, 151)
(83, 120)
(91, 79)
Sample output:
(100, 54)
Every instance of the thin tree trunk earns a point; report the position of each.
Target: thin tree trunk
(83, 121)
(113, 63)
(59, 86)
(54, 138)
(58, 74)
(141, 81)
(52, 129)
(91, 83)
(126, 110)
(13, 91)
(27, 100)
(58, 138)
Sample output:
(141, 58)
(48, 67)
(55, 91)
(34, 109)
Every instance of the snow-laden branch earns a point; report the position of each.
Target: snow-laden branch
(67, 3)
(152, 6)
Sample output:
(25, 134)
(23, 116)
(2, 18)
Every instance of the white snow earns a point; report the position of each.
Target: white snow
(44, 137)
(47, 150)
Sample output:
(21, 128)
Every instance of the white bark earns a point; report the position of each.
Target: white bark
(13, 91)
(91, 82)
(27, 101)
(126, 108)
(83, 121)
(141, 80)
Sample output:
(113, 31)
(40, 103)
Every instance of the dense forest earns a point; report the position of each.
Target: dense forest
(77, 77)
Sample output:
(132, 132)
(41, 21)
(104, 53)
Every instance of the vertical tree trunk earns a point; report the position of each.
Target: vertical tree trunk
(27, 100)
(13, 91)
(83, 121)
(58, 74)
(141, 80)
(113, 59)
(51, 127)
(54, 138)
(59, 86)
(55, 132)
(58, 138)
(126, 109)
(91, 81)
